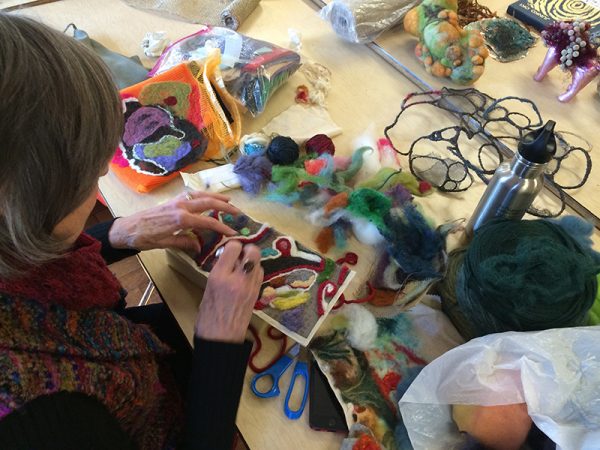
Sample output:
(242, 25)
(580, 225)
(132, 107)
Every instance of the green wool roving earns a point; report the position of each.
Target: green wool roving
(371, 205)
(388, 177)
(522, 276)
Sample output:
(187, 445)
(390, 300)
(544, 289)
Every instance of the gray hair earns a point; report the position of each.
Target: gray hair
(60, 122)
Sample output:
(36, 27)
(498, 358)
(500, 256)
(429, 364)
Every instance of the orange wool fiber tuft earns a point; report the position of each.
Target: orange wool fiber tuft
(325, 239)
(337, 201)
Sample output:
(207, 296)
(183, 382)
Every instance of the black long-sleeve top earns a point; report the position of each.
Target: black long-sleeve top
(75, 421)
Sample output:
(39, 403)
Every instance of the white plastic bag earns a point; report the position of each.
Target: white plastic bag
(555, 372)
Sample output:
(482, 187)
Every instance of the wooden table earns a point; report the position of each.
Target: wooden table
(366, 93)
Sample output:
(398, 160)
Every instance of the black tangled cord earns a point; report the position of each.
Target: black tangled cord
(492, 125)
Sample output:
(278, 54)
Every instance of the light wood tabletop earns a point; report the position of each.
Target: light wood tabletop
(366, 93)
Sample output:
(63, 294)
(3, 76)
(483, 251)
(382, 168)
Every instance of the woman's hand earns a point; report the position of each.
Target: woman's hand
(231, 292)
(165, 225)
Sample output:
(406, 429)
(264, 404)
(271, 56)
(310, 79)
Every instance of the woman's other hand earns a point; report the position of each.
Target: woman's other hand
(165, 225)
(231, 292)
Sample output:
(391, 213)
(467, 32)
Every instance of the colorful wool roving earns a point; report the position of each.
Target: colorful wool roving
(171, 121)
(300, 286)
(378, 211)
(369, 382)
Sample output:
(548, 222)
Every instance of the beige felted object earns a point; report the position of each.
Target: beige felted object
(227, 13)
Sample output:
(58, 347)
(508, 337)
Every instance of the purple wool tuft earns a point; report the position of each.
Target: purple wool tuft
(293, 319)
(253, 171)
(399, 195)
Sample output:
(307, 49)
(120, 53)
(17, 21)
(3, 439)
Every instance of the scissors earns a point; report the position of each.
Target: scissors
(278, 369)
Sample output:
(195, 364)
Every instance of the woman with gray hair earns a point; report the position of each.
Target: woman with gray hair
(74, 371)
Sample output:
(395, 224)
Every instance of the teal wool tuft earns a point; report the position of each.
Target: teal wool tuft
(521, 276)
(414, 244)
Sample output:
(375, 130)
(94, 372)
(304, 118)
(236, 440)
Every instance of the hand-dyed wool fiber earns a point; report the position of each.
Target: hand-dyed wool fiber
(520, 276)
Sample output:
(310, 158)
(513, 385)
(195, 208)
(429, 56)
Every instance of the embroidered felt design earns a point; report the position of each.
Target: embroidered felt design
(155, 142)
(171, 121)
(173, 95)
(290, 298)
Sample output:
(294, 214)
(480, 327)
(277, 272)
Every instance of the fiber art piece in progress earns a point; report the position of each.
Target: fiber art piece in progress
(171, 121)
(487, 123)
(300, 286)
(370, 362)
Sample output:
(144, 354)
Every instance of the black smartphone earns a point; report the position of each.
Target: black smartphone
(324, 411)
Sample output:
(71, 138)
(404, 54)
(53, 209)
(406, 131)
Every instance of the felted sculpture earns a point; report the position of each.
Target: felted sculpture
(444, 48)
(570, 47)
(171, 121)
(300, 286)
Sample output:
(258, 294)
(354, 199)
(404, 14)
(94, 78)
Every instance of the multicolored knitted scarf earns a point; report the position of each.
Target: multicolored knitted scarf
(47, 348)
(79, 280)
(58, 332)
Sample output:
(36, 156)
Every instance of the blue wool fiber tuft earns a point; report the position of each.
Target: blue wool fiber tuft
(413, 243)
(327, 170)
(580, 230)
(286, 199)
(253, 171)
(283, 150)
(339, 235)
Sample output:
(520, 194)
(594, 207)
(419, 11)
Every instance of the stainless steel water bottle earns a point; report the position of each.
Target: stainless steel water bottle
(515, 184)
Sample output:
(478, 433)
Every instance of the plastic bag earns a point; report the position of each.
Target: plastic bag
(555, 372)
(252, 70)
(361, 21)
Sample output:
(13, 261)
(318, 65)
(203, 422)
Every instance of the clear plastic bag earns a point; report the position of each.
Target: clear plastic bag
(252, 70)
(361, 21)
(556, 373)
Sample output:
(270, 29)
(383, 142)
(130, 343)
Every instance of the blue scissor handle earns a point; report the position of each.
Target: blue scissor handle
(300, 370)
(275, 373)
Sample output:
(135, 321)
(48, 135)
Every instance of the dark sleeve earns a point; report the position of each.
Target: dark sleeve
(110, 254)
(214, 393)
(65, 420)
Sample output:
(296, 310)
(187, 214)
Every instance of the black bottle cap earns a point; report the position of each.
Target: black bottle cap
(539, 146)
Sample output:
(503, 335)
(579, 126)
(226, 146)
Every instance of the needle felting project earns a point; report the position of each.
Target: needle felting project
(370, 363)
(300, 286)
(171, 121)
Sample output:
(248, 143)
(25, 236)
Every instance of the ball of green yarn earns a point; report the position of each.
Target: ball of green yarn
(522, 276)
